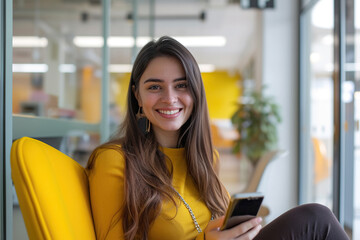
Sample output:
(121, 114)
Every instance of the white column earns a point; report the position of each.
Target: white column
(280, 75)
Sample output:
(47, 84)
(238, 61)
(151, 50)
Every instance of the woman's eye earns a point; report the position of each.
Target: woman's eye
(181, 85)
(154, 87)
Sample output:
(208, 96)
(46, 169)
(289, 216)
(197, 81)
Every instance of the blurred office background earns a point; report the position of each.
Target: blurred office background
(68, 86)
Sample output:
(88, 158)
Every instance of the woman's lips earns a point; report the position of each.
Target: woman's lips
(169, 113)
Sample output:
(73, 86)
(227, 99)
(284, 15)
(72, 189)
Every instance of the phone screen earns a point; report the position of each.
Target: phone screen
(241, 209)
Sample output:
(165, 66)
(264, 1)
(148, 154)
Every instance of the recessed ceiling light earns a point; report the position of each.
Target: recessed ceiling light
(30, 68)
(120, 68)
(67, 68)
(29, 41)
(88, 41)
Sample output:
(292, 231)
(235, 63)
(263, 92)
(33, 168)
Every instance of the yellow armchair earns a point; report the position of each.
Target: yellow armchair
(52, 190)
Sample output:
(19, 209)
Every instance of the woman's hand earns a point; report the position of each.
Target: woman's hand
(246, 230)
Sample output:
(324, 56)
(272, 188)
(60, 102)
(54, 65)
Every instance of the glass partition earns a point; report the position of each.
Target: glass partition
(56, 74)
(122, 50)
(353, 67)
(57, 78)
(317, 103)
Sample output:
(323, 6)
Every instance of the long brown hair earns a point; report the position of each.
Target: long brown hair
(148, 181)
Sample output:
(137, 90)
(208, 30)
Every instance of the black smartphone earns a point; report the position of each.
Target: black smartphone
(242, 207)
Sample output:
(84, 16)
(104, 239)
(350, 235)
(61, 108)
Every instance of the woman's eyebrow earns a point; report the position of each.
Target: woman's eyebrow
(159, 80)
(152, 80)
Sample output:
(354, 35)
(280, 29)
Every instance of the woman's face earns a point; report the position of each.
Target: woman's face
(164, 95)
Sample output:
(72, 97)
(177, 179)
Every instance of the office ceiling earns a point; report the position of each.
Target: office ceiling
(62, 20)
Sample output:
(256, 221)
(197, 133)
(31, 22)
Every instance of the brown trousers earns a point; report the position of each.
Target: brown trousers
(308, 221)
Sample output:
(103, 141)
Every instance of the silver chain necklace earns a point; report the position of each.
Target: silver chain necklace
(197, 226)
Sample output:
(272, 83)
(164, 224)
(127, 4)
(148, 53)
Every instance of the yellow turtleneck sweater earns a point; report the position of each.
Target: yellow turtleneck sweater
(106, 182)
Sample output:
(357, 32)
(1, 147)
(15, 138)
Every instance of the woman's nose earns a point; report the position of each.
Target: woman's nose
(169, 97)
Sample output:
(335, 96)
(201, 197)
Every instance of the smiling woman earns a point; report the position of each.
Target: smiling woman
(160, 183)
(170, 163)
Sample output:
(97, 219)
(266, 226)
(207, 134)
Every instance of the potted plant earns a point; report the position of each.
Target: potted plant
(256, 120)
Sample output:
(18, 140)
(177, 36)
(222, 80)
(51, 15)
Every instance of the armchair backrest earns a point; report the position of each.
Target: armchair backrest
(52, 190)
(260, 169)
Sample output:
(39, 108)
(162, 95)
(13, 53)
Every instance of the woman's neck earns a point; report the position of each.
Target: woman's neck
(167, 139)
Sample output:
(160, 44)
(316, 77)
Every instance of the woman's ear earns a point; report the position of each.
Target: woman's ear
(136, 94)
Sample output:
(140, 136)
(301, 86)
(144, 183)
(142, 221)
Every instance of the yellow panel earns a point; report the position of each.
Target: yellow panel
(222, 92)
(90, 95)
(120, 97)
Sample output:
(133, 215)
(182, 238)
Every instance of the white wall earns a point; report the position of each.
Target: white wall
(280, 75)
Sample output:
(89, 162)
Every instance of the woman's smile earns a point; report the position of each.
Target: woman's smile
(169, 113)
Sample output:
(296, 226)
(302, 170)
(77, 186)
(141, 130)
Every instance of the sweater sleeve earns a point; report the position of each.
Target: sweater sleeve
(106, 184)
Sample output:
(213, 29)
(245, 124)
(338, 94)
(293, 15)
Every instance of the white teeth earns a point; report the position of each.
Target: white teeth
(169, 112)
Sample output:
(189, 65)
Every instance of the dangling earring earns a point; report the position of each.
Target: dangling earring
(143, 122)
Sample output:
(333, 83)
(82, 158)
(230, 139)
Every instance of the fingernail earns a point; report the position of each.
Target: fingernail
(259, 219)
